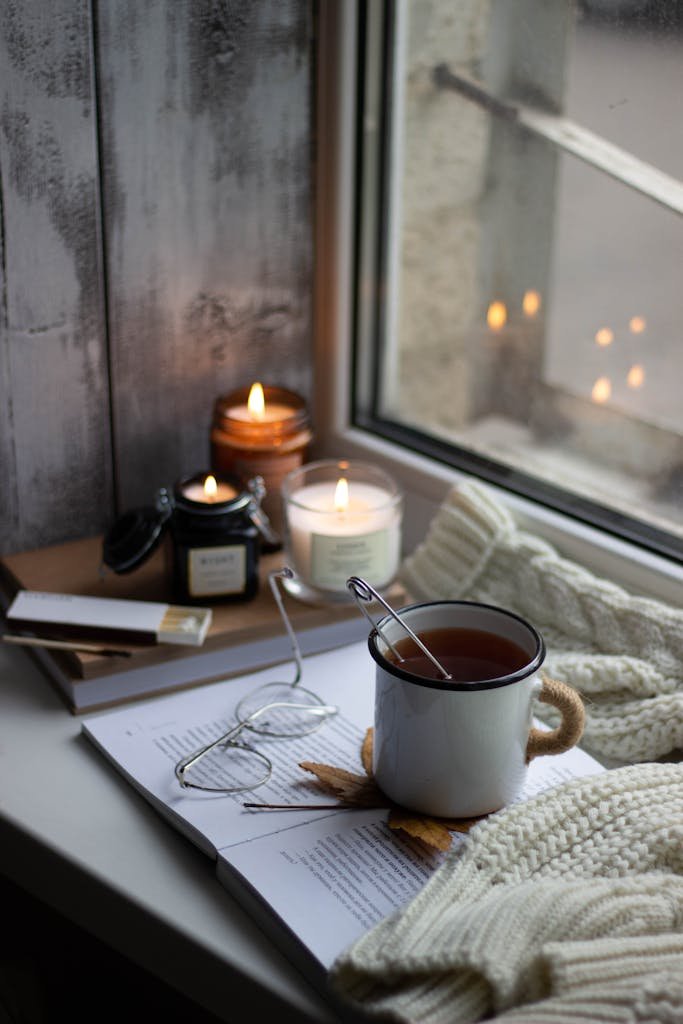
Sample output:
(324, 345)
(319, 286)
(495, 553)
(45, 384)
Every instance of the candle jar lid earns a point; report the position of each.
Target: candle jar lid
(136, 535)
(290, 429)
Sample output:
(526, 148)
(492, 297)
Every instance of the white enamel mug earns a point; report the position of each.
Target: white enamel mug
(456, 749)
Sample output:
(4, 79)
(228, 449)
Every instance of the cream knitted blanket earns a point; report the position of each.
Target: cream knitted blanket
(623, 653)
(566, 908)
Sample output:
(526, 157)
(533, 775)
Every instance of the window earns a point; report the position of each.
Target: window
(504, 184)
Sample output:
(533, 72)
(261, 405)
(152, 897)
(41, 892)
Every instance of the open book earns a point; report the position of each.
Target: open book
(315, 880)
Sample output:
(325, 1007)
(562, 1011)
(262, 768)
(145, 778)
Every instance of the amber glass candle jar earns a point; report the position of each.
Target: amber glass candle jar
(261, 431)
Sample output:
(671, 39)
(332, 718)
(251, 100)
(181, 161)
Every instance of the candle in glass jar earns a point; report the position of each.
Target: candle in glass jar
(215, 541)
(257, 410)
(210, 491)
(345, 522)
(261, 431)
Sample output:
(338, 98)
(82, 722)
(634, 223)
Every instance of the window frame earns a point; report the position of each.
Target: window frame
(424, 480)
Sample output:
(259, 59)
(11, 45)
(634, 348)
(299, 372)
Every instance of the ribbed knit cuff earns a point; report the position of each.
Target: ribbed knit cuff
(634, 979)
(611, 961)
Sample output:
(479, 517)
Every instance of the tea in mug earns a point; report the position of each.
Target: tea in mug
(468, 655)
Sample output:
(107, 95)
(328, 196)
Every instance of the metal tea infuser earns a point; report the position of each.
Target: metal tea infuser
(363, 592)
(277, 710)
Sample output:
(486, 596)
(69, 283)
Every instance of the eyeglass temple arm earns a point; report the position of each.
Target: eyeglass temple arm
(187, 762)
(286, 574)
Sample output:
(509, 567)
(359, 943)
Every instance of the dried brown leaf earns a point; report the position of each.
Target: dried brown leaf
(366, 751)
(430, 831)
(354, 790)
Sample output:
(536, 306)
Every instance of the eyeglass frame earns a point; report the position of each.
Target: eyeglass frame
(227, 739)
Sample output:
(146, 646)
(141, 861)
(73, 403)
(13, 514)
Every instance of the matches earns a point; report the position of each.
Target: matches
(102, 618)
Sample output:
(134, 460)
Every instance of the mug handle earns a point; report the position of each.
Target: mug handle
(569, 731)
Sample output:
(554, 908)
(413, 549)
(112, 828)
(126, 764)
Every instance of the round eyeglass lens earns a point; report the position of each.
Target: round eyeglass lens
(228, 768)
(295, 711)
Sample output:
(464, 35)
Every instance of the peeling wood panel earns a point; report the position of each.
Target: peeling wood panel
(206, 168)
(204, 130)
(55, 459)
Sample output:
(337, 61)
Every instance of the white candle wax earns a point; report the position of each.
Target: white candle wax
(272, 413)
(196, 492)
(328, 545)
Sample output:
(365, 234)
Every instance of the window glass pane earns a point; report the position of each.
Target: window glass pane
(529, 300)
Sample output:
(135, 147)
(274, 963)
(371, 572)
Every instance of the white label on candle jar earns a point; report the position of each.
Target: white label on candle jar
(334, 559)
(220, 570)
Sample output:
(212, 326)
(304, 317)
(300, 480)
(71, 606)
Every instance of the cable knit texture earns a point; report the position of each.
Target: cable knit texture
(622, 652)
(565, 908)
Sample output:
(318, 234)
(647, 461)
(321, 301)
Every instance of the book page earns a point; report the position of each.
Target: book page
(332, 879)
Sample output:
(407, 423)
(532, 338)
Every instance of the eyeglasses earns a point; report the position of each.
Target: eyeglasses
(277, 710)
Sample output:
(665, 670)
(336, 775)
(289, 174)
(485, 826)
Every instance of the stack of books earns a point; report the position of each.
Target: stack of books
(242, 635)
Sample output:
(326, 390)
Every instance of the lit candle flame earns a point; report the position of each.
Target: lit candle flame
(496, 316)
(637, 324)
(256, 403)
(636, 376)
(604, 337)
(341, 495)
(531, 303)
(602, 389)
(210, 488)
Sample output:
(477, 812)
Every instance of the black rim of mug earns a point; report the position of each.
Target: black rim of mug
(394, 669)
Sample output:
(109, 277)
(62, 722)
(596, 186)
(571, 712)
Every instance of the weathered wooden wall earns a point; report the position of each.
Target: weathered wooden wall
(155, 241)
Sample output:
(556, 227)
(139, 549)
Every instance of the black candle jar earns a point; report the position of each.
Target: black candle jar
(216, 526)
(215, 542)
